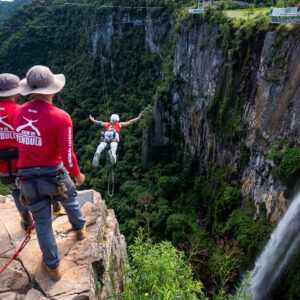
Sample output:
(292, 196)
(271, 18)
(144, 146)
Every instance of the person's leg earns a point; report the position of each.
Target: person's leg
(26, 219)
(41, 212)
(96, 158)
(71, 204)
(56, 207)
(113, 149)
(16, 193)
(40, 207)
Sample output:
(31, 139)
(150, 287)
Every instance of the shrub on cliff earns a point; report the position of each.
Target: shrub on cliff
(159, 271)
(230, 199)
(250, 236)
(286, 157)
(4, 190)
(289, 168)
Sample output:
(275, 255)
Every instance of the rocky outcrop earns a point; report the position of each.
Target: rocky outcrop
(92, 268)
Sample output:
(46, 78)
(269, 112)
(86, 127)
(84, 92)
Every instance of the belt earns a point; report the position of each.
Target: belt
(26, 178)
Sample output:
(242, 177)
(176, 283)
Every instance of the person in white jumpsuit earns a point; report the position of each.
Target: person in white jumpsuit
(111, 136)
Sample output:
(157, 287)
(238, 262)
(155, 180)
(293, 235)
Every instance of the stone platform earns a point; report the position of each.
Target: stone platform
(92, 268)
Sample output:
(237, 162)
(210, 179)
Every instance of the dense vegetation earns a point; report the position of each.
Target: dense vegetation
(159, 271)
(7, 8)
(110, 69)
(286, 157)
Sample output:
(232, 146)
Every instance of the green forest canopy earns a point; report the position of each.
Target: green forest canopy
(199, 211)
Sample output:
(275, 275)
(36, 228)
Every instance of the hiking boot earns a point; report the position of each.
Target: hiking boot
(112, 157)
(26, 220)
(57, 209)
(54, 274)
(96, 158)
(81, 233)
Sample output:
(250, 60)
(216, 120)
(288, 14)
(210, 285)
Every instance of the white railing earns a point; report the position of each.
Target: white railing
(284, 12)
(285, 15)
(196, 10)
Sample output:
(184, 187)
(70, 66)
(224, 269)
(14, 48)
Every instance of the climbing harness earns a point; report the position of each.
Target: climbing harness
(61, 187)
(22, 246)
(7, 155)
(22, 199)
(109, 136)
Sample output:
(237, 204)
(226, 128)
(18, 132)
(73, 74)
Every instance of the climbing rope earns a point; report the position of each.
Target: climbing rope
(104, 80)
(110, 179)
(109, 167)
(22, 246)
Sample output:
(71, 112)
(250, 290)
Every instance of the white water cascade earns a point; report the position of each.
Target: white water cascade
(284, 242)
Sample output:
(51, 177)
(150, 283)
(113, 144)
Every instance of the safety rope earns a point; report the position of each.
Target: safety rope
(104, 81)
(22, 246)
(110, 180)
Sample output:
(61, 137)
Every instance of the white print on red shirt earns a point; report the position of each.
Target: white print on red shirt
(4, 123)
(7, 132)
(29, 137)
(70, 147)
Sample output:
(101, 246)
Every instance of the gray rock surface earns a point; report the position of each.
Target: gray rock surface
(271, 107)
(92, 268)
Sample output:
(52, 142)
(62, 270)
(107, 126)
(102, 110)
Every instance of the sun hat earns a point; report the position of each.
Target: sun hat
(40, 80)
(9, 85)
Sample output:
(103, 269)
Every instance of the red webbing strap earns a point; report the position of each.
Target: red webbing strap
(22, 246)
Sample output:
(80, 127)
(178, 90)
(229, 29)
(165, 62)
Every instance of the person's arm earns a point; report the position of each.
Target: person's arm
(132, 121)
(100, 123)
(66, 147)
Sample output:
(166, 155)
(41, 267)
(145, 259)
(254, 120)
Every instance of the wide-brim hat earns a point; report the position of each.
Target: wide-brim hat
(9, 85)
(40, 80)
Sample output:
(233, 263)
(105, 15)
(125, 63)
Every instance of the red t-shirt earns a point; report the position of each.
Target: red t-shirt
(45, 136)
(7, 132)
(113, 126)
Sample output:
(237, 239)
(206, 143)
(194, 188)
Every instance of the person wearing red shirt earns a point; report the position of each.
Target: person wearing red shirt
(9, 95)
(44, 134)
(111, 136)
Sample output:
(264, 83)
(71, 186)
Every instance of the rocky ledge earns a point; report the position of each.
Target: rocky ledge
(92, 268)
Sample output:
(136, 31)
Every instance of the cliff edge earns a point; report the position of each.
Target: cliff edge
(92, 268)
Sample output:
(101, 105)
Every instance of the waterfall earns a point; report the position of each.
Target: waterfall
(284, 242)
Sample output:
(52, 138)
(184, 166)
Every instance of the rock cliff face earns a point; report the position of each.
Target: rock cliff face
(92, 268)
(266, 80)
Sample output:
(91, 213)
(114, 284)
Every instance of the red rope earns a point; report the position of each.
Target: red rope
(25, 242)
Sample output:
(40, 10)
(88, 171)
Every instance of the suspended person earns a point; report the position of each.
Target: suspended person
(46, 158)
(111, 136)
(9, 95)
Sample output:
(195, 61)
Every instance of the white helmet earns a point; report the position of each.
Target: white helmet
(114, 118)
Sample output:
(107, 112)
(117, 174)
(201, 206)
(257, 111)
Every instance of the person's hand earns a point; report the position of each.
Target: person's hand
(92, 119)
(79, 180)
(141, 115)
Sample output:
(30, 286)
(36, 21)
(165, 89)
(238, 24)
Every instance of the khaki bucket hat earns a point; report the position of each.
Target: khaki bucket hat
(9, 85)
(40, 80)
